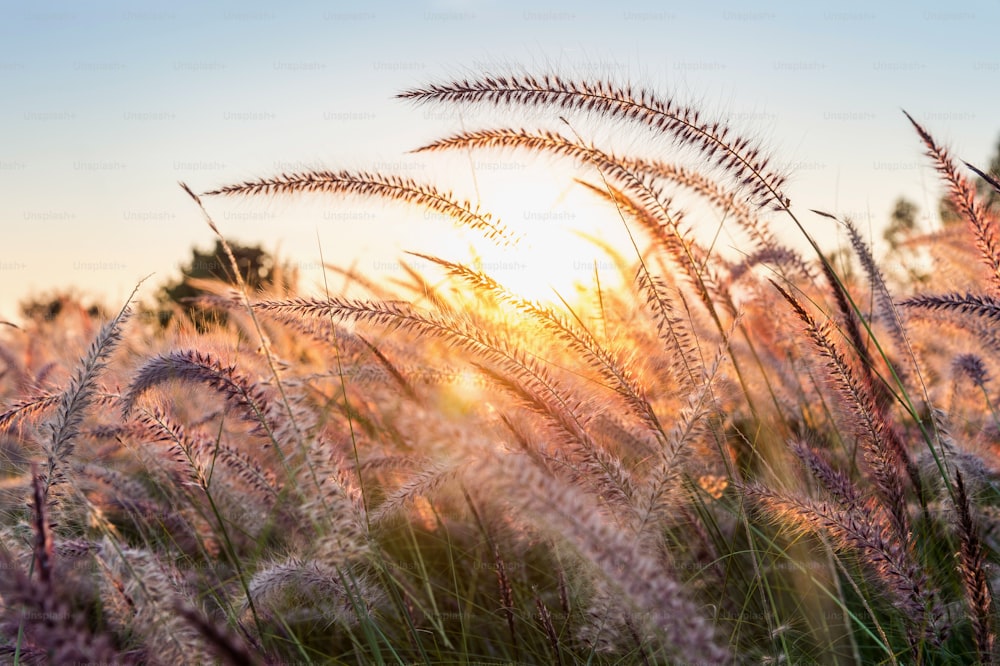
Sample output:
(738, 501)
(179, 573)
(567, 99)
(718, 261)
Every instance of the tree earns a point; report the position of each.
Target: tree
(257, 267)
(903, 221)
(950, 216)
(47, 307)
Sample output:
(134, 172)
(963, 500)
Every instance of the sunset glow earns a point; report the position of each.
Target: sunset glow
(665, 333)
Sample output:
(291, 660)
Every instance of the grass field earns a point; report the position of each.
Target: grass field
(757, 457)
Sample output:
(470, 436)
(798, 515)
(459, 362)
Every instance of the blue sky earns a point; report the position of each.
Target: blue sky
(107, 106)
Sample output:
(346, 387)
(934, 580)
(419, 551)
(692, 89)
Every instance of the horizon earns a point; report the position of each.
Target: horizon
(110, 108)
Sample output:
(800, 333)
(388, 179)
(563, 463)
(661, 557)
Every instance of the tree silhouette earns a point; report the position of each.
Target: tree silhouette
(256, 266)
(903, 221)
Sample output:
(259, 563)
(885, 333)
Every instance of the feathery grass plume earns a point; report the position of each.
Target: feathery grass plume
(851, 326)
(527, 441)
(251, 471)
(194, 451)
(214, 294)
(607, 627)
(28, 409)
(864, 530)
(81, 392)
(332, 336)
(295, 592)
(977, 330)
(506, 598)
(352, 276)
(43, 534)
(884, 451)
(42, 376)
(621, 435)
(726, 201)
(664, 606)
(962, 193)
(780, 257)
(129, 494)
(129, 505)
(421, 484)
(632, 173)
(393, 463)
(711, 287)
(287, 426)
(662, 489)
(742, 161)
(206, 477)
(972, 366)
(836, 484)
(952, 259)
(515, 370)
(886, 309)
(203, 367)
(333, 506)
(962, 308)
(972, 567)
(37, 621)
(227, 646)
(31, 409)
(389, 187)
(667, 235)
(965, 369)
(544, 618)
(151, 589)
(604, 450)
(420, 287)
(953, 458)
(183, 454)
(579, 339)
(639, 194)
(38, 627)
(391, 368)
(675, 330)
(633, 181)
(597, 467)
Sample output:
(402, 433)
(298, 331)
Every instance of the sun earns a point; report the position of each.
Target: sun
(548, 266)
(561, 246)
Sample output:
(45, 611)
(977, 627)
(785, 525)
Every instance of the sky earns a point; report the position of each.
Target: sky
(106, 107)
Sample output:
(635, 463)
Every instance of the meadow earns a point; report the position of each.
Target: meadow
(764, 457)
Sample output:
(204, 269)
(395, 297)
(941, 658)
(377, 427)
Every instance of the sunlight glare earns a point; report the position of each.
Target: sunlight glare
(552, 258)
